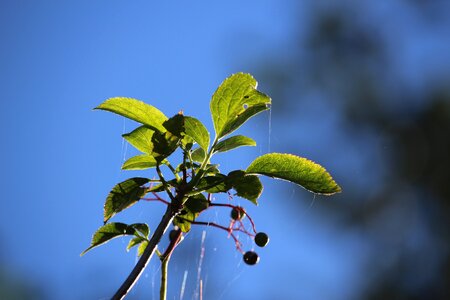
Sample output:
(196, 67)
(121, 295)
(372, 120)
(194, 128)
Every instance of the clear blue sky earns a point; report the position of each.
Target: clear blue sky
(58, 60)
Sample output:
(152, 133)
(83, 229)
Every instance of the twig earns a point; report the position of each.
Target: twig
(234, 206)
(229, 230)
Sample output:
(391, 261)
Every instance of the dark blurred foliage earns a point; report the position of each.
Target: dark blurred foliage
(16, 288)
(353, 57)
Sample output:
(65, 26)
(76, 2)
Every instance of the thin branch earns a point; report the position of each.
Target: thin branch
(156, 198)
(173, 171)
(234, 206)
(164, 182)
(146, 256)
(229, 230)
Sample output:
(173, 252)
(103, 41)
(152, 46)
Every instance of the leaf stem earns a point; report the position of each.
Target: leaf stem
(201, 170)
(164, 182)
(173, 171)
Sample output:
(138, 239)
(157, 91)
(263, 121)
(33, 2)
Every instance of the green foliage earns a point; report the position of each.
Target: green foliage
(197, 131)
(198, 155)
(141, 139)
(246, 186)
(112, 230)
(139, 162)
(299, 170)
(234, 142)
(135, 110)
(196, 178)
(123, 195)
(235, 101)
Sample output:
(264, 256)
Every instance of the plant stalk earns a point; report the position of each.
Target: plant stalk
(165, 258)
(163, 288)
(146, 256)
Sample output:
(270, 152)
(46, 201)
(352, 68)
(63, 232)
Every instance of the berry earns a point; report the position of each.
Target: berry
(261, 239)
(237, 213)
(251, 258)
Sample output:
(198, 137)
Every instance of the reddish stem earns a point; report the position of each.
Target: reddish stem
(229, 230)
(236, 207)
(156, 198)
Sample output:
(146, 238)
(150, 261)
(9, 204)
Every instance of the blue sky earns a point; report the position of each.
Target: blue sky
(60, 59)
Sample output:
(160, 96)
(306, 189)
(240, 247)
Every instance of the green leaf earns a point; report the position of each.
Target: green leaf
(213, 184)
(192, 208)
(142, 247)
(212, 169)
(243, 117)
(184, 219)
(164, 144)
(141, 139)
(123, 195)
(175, 125)
(235, 101)
(135, 110)
(198, 155)
(135, 241)
(187, 165)
(139, 162)
(299, 170)
(142, 228)
(234, 142)
(197, 203)
(108, 232)
(197, 131)
(246, 186)
(155, 144)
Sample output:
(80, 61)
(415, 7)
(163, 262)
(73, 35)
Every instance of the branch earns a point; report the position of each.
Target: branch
(146, 256)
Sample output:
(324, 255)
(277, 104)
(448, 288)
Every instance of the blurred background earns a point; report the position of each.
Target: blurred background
(361, 87)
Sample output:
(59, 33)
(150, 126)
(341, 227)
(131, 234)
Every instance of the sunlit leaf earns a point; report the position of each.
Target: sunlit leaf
(197, 131)
(135, 110)
(141, 139)
(235, 101)
(139, 162)
(135, 241)
(123, 195)
(299, 170)
(234, 142)
(198, 155)
(142, 247)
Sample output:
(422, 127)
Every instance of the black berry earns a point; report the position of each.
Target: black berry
(251, 258)
(237, 213)
(261, 239)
